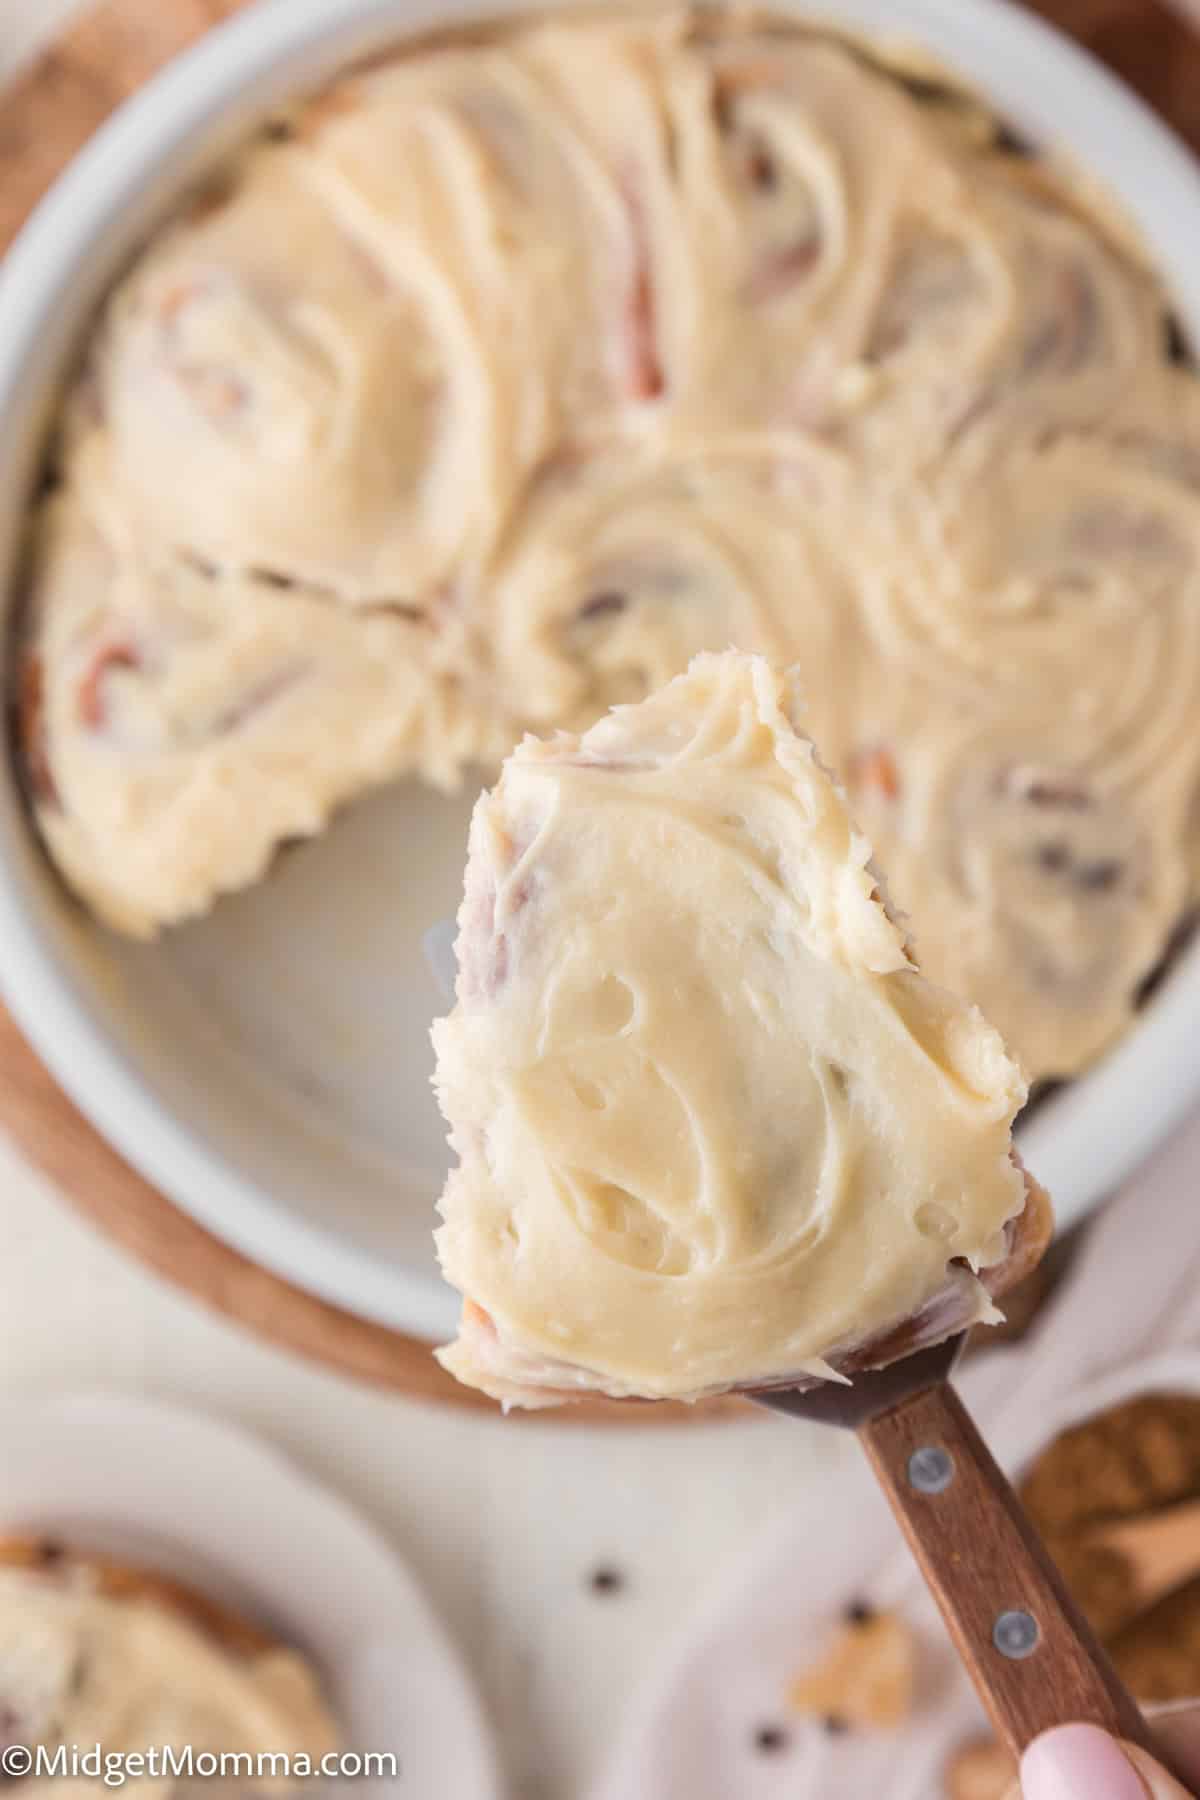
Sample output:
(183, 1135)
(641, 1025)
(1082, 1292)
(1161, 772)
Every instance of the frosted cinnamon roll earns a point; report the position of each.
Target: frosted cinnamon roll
(551, 216)
(623, 566)
(177, 723)
(1041, 797)
(95, 1651)
(714, 1129)
(871, 271)
(795, 167)
(277, 388)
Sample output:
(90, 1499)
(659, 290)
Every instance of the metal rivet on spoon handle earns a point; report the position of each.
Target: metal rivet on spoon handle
(930, 1469)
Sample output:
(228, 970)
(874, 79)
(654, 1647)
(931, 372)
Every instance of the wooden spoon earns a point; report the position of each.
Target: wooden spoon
(1033, 1657)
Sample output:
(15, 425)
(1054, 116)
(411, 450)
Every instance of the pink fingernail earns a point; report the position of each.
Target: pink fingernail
(1078, 1762)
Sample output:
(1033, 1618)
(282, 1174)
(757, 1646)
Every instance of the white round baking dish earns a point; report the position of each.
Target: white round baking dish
(267, 1067)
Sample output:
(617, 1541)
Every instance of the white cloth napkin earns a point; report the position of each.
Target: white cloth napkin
(1132, 1295)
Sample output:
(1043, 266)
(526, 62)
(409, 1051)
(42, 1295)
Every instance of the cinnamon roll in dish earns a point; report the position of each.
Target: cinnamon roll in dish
(714, 1128)
(198, 718)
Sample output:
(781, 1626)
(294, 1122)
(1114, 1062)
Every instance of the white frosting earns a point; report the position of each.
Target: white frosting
(714, 1129)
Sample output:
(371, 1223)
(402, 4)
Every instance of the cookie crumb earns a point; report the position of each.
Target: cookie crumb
(866, 1677)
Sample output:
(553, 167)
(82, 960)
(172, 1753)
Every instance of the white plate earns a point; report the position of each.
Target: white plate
(202, 1501)
(268, 1067)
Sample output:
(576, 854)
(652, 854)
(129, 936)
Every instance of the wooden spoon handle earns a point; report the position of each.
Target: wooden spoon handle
(1034, 1659)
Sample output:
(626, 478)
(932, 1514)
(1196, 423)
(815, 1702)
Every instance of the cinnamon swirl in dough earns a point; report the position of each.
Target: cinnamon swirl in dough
(491, 385)
(714, 1129)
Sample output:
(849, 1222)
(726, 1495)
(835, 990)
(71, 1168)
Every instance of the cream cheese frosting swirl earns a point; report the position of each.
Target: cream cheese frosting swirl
(622, 567)
(533, 362)
(714, 1128)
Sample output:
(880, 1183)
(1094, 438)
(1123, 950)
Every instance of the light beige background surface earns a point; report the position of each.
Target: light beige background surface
(502, 1522)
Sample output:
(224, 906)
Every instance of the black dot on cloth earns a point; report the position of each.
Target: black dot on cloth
(859, 1612)
(604, 1579)
(834, 1725)
(769, 1740)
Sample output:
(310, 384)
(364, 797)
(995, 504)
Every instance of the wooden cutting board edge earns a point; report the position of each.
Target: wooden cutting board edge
(48, 112)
